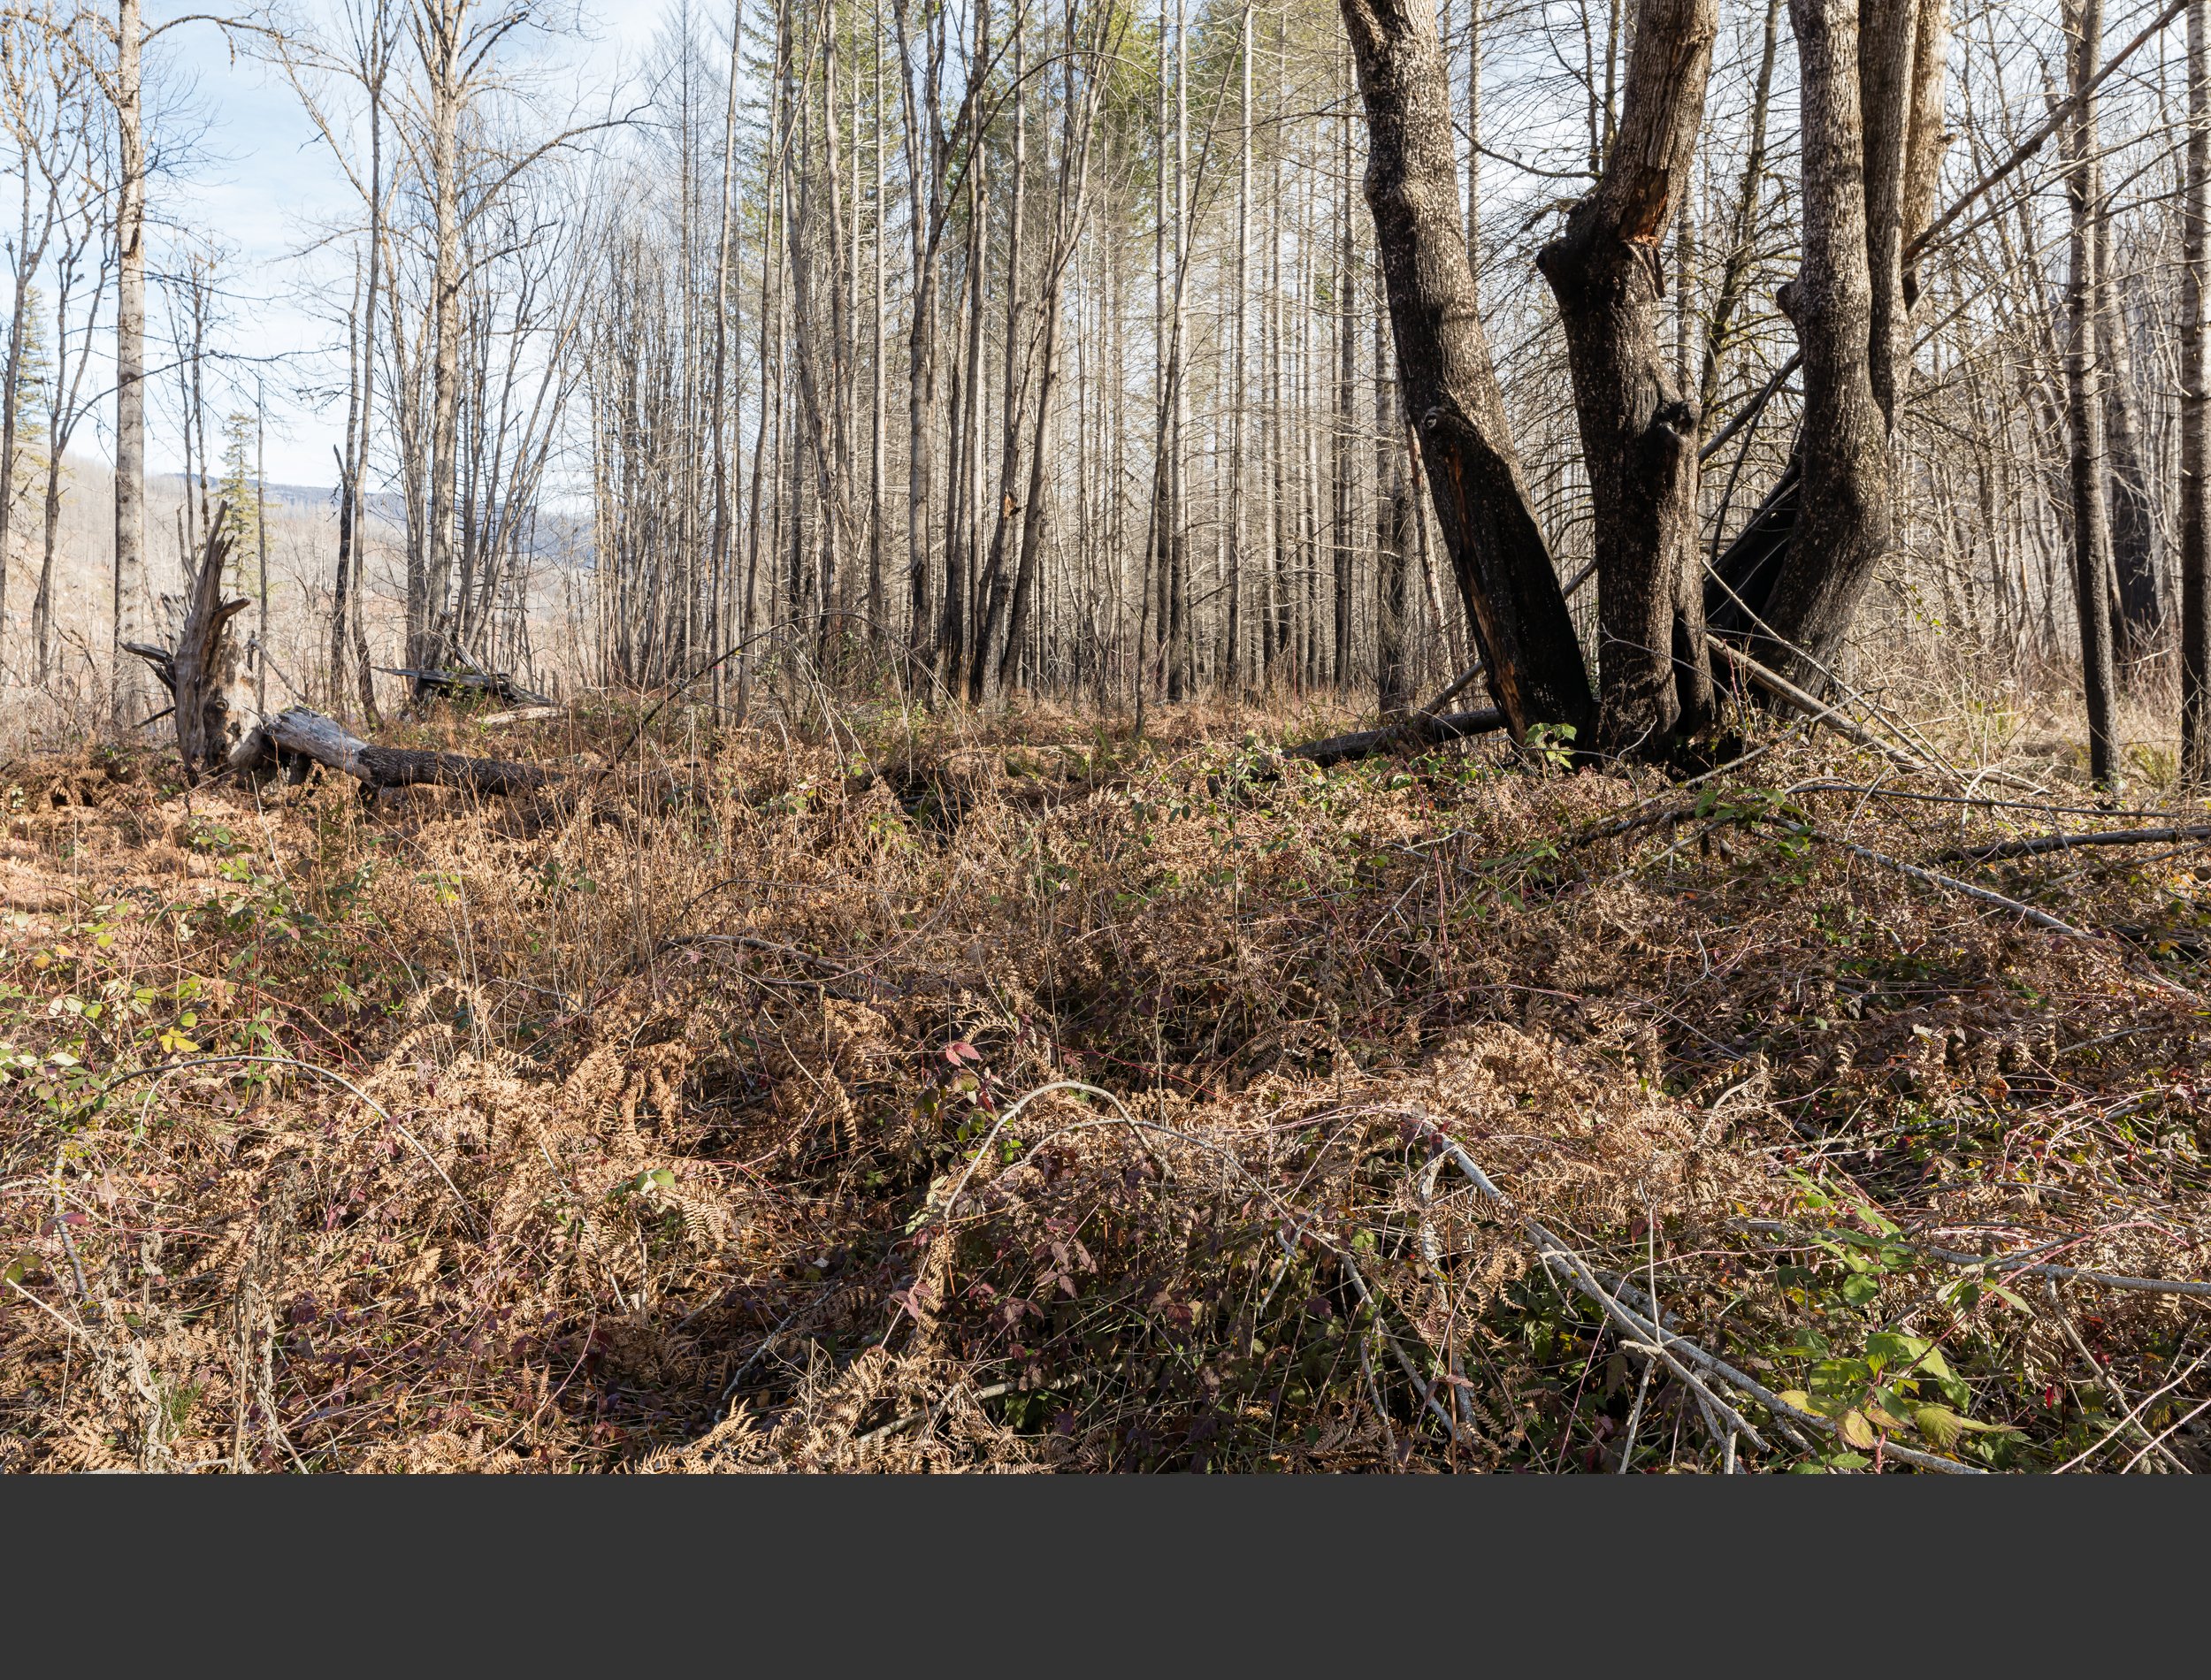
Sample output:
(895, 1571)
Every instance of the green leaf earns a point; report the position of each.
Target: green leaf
(1856, 1429)
(1943, 1426)
(1940, 1425)
(1860, 1288)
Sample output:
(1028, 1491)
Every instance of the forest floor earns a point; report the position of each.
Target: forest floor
(1005, 1093)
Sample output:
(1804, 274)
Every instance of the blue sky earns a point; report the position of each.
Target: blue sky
(262, 183)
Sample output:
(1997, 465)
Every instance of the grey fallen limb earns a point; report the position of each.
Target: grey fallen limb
(2037, 845)
(313, 736)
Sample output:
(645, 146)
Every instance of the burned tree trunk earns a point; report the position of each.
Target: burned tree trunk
(1639, 428)
(1843, 517)
(1414, 729)
(1497, 550)
(2084, 390)
(2195, 414)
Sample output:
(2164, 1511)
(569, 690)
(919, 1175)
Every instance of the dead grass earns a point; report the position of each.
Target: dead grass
(664, 1124)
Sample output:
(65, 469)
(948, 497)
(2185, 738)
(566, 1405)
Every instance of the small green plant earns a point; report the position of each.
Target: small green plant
(1552, 743)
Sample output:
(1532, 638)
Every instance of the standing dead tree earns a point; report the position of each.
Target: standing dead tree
(210, 688)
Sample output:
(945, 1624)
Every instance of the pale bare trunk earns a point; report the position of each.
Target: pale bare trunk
(2195, 413)
(128, 701)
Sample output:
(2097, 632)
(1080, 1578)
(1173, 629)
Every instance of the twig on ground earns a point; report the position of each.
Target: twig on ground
(1935, 877)
(1666, 1346)
(2039, 843)
(2007, 1266)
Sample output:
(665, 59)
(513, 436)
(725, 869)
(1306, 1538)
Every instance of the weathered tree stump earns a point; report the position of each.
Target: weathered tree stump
(218, 717)
(221, 727)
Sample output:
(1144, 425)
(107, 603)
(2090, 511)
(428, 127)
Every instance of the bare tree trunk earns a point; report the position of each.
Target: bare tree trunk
(725, 265)
(1638, 427)
(440, 37)
(1080, 122)
(1274, 627)
(995, 589)
(1872, 142)
(766, 465)
(1340, 457)
(1239, 431)
(877, 629)
(1843, 529)
(1177, 533)
(2195, 413)
(1393, 539)
(925, 220)
(128, 698)
(953, 626)
(28, 254)
(2138, 607)
(1473, 141)
(1497, 550)
(1158, 546)
(2084, 390)
(348, 500)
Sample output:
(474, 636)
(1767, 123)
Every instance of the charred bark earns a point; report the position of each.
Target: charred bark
(1419, 729)
(2084, 392)
(1497, 550)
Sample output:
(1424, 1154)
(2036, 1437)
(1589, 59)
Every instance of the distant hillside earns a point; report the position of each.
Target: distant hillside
(560, 538)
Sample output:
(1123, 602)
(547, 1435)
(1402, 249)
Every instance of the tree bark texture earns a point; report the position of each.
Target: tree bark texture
(2084, 395)
(1497, 550)
(1870, 76)
(313, 735)
(2195, 412)
(1639, 426)
(218, 723)
(1843, 527)
(129, 696)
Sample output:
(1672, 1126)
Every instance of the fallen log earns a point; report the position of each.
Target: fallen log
(313, 735)
(1419, 729)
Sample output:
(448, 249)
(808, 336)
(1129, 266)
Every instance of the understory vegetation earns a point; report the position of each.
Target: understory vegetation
(890, 1091)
